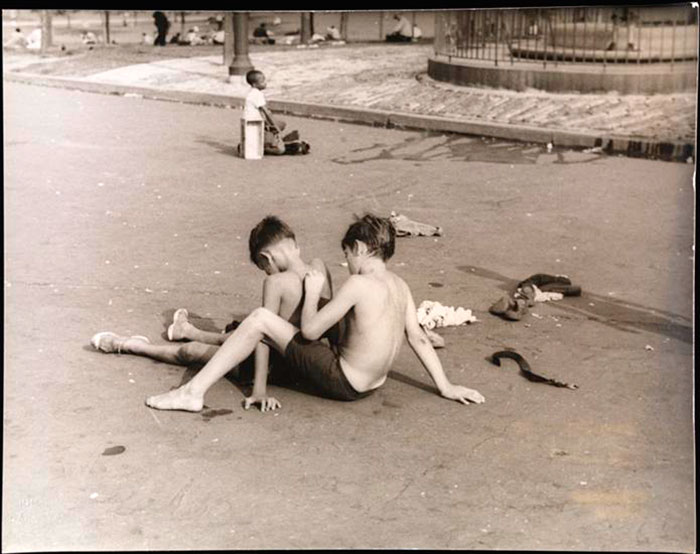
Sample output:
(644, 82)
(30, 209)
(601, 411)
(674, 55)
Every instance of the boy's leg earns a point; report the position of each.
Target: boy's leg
(181, 328)
(259, 325)
(178, 354)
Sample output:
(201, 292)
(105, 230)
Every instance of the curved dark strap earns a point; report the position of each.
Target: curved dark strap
(527, 370)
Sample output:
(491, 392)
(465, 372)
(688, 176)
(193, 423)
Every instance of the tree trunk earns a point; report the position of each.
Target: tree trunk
(305, 27)
(228, 38)
(344, 26)
(46, 35)
(106, 27)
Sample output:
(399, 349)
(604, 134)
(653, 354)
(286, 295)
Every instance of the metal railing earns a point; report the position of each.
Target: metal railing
(569, 35)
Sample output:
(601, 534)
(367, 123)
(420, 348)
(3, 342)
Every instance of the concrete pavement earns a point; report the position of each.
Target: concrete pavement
(119, 210)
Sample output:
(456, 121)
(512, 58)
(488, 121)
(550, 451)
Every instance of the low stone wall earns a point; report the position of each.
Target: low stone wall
(647, 79)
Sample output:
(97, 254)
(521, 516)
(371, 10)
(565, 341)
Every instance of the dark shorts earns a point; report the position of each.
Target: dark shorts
(315, 363)
(276, 369)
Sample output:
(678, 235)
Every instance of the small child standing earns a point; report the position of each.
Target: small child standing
(256, 109)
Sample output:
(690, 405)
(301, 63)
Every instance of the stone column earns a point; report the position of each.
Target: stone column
(241, 62)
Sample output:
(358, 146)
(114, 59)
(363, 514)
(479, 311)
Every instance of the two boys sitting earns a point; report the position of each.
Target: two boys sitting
(372, 310)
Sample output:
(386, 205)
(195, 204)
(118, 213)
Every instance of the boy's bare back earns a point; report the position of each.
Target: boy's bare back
(376, 308)
(374, 329)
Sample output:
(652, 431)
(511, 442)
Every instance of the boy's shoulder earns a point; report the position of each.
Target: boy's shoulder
(282, 279)
(318, 264)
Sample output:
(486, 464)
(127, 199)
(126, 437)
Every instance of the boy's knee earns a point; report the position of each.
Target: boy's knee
(188, 353)
(257, 315)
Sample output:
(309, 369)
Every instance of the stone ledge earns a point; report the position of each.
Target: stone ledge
(586, 79)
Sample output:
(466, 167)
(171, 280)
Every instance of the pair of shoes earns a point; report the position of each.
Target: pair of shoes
(109, 342)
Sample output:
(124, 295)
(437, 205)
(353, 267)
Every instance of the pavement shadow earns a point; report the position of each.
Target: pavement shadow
(405, 379)
(430, 146)
(227, 148)
(621, 315)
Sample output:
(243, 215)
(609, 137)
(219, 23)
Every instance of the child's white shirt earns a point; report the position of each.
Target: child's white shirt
(254, 100)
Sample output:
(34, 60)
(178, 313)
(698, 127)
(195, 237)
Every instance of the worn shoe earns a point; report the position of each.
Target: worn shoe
(109, 342)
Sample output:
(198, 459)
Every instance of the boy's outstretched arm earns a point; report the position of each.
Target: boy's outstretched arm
(314, 322)
(420, 344)
(272, 300)
(268, 115)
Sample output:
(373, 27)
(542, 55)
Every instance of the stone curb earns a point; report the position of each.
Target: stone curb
(637, 147)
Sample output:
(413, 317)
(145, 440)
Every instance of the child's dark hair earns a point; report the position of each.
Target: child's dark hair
(268, 231)
(253, 76)
(377, 233)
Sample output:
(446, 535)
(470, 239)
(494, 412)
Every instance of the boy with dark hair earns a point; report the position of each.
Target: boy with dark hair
(256, 109)
(273, 248)
(376, 308)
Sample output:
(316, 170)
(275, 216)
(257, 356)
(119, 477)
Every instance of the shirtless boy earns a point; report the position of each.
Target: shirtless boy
(376, 308)
(273, 248)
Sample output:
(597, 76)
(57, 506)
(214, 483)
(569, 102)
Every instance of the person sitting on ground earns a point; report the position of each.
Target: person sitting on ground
(256, 109)
(88, 37)
(193, 38)
(317, 38)
(273, 249)
(34, 40)
(263, 35)
(332, 33)
(218, 37)
(375, 309)
(402, 30)
(417, 33)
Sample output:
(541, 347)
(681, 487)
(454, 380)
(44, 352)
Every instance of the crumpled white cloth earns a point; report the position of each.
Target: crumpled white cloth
(433, 314)
(543, 296)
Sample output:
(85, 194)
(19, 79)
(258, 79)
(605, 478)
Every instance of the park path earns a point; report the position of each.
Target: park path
(394, 78)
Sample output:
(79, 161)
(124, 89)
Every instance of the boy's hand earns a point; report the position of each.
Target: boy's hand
(463, 394)
(313, 281)
(266, 403)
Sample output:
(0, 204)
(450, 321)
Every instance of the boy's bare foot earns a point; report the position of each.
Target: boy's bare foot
(111, 342)
(178, 399)
(178, 328)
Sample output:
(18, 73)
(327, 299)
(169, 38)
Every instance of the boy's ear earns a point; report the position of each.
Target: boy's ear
(267, 256)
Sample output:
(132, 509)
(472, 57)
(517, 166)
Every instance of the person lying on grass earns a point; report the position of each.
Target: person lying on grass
(273, 248)
(375, 308)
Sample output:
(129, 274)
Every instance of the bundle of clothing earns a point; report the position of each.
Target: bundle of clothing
(290, 143)
(405, 227)
(540, 287)
(433, 314)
